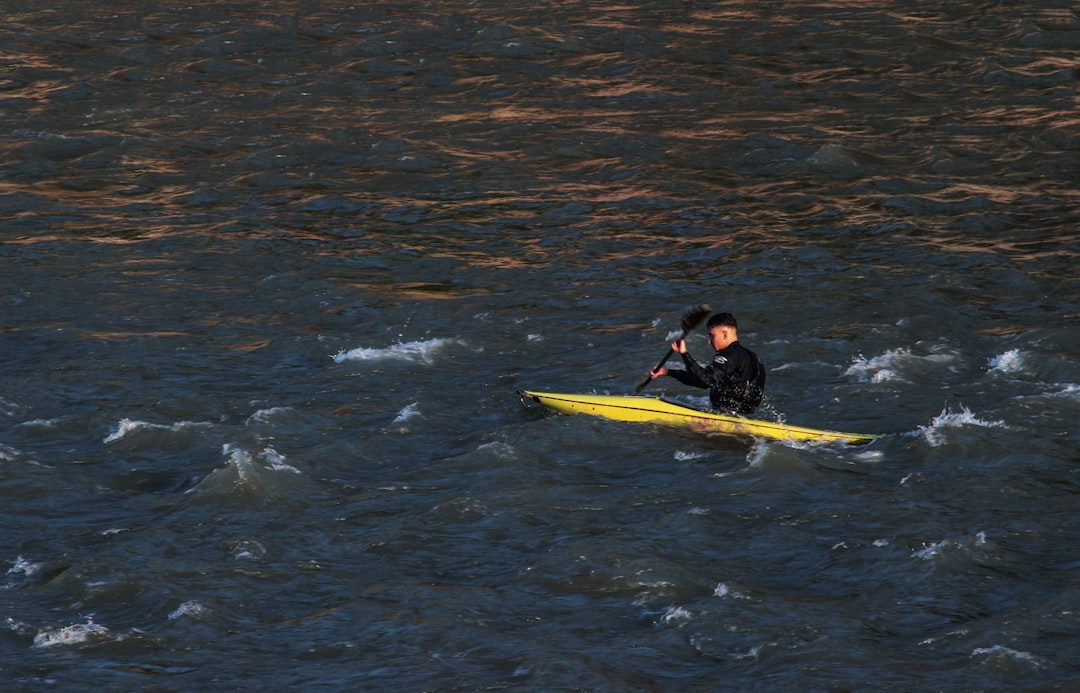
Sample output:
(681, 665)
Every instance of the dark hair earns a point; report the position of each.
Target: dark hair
(722, 320)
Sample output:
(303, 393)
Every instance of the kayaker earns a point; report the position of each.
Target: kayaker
(735, 377)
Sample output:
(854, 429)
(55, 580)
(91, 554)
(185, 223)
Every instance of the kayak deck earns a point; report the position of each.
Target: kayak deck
(660, 411)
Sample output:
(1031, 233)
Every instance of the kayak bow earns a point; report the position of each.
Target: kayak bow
(661, 411)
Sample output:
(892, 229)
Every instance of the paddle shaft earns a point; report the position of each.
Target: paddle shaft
(643, 383)
(690, 320)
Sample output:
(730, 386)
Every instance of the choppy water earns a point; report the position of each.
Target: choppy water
(272, 274)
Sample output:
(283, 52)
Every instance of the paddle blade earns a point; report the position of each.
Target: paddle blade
(693, 317)
(690, 319)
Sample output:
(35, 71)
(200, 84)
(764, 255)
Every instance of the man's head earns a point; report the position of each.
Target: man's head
(723, 330)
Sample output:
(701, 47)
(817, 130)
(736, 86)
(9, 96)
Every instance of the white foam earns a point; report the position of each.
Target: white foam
(71, 635)
(40, 423)
(277, 461)
(758, 452)
(189, 608)
(409, 412)
(127, 427)
(879, 368)
(1012, 361)
(722, 591)
(675, 613)
(892, 365)
(929, 551)
(246, 472)
(1007, 653)
(23, 567)
(267, 415)
(935, 432)
(415, 352)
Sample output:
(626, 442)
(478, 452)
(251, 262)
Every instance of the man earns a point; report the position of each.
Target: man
(735, 376)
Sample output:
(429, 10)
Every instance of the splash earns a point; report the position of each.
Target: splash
(1012, 361)
(758, 453)
(128, 427)
(897, 364)
(409, 412)
(415, 352)
(191, 608)
(675, 614)
(252, 474)
(76, 634)
(23, 567)
(878, 369)
(1002, 654)
(935, 432)
(269, 415)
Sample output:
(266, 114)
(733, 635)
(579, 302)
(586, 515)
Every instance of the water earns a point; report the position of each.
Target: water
(272, 275)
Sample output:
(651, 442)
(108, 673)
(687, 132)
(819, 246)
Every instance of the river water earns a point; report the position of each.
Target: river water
(272, 274)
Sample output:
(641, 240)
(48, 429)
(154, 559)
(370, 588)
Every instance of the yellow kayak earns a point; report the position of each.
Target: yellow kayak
(660, 411)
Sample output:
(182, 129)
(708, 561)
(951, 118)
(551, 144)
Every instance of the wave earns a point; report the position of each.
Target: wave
(894, 364)
(1012, 361)
(258, 475)
(192, 608)
(416, 352)
(75, 634)
(935, 432)
(409, 412)
(129, 427)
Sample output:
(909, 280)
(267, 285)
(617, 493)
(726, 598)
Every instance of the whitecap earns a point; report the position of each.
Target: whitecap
(247, 474)
(277, 461)
(8, 453)
(879, 368)
(268, 415)
(23, 567)
(248, 550)
(415, 352)
(724, 591)
(409, 412)
(935, 432)
(1012, 361)
(682, 456)
(127, 427)
(929, 551)
(40, 423)
(894, 364)
(191, 608)
(675, 613)
(71, 635)
(1000, 652)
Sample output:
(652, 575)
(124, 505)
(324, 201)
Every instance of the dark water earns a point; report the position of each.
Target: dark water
(271, 277)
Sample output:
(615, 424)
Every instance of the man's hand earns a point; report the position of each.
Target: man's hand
(657, 372)
(679, 346)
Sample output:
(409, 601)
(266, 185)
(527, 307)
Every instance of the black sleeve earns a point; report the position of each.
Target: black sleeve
(694, 375)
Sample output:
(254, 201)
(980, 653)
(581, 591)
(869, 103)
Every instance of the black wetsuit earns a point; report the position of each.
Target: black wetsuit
(735, 378)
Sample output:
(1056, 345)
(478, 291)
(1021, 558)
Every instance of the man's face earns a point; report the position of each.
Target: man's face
(719, 337)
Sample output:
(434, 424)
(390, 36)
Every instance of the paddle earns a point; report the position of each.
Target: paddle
(690, 319)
